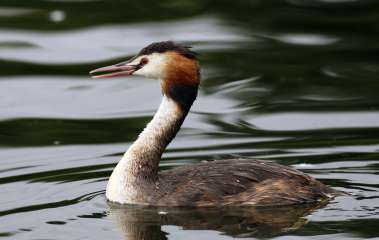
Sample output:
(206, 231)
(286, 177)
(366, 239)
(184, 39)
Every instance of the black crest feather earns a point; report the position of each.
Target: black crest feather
(161, 47)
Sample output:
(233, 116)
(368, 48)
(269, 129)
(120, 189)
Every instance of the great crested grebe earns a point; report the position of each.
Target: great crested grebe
(237, 182)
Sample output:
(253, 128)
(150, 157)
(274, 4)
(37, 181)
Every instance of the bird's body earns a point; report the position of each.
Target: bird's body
(236, 182)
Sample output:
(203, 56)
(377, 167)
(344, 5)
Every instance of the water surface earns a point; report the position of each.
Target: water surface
(292, 81)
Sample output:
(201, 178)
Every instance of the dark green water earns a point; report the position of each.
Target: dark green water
(294, 81)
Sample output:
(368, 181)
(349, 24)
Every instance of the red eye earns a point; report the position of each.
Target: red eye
(144, 61)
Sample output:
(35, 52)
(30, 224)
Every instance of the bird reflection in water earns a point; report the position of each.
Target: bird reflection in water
(137, 223)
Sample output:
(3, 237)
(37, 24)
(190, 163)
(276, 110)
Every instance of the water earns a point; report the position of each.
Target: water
(294, 81)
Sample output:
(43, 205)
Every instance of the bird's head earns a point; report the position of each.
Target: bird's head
(175, 65)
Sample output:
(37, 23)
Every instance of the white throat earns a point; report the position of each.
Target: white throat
(140, 162)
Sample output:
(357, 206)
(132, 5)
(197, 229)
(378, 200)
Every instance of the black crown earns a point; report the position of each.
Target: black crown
(161, 47)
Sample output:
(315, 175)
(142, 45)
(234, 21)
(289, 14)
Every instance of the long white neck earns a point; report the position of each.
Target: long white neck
(139, 165)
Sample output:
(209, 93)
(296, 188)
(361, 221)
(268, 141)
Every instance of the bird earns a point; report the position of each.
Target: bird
(232, 182)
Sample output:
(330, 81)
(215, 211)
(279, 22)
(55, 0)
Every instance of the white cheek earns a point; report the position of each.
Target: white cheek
(155, 68)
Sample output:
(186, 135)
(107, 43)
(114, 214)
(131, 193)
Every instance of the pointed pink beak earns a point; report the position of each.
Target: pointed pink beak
(117, 70)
